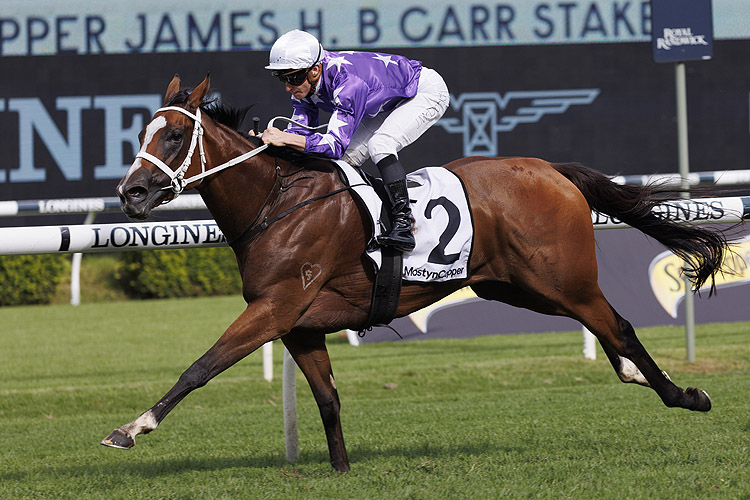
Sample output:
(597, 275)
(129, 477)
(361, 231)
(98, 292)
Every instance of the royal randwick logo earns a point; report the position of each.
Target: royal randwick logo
(678, 37)
(482, 115)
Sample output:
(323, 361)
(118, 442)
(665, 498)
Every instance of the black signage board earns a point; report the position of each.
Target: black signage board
(681, 30)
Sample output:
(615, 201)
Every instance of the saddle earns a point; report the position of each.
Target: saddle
(443, 229)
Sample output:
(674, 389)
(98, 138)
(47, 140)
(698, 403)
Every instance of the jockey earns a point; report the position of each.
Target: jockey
(379, 103)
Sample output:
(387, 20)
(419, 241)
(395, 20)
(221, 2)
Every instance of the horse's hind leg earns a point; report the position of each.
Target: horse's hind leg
(584, 301)
(619, 339)
(309, 352)
(504, 292)
(625, 368)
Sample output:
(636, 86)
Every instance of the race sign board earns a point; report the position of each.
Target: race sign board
(681, 30)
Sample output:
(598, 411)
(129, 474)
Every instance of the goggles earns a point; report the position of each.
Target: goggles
(294, 78)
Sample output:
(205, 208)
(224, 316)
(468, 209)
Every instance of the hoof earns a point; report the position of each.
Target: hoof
(341, 468)
(119, 439)
(701, 398)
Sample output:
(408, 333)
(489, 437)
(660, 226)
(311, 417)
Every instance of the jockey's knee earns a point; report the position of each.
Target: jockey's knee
(382, 145)
(356, 156)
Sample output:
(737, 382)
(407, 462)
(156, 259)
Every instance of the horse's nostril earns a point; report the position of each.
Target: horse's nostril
(135, 192)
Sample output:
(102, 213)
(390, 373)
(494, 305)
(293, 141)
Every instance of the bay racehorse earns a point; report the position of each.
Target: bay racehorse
(533, 247)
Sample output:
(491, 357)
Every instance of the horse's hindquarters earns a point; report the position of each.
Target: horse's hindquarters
(532, 226)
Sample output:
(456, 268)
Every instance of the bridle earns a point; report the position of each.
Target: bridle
(177, 179)
(178, 182)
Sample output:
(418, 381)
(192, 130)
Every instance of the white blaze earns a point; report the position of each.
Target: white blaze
(156, 124)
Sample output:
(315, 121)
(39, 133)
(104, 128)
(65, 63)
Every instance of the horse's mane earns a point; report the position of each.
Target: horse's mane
(219, 111)
(233, 118)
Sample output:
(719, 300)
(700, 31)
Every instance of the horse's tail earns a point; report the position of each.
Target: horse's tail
(701, 248)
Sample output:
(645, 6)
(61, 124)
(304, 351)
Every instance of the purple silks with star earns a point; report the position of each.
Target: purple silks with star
(353, 86)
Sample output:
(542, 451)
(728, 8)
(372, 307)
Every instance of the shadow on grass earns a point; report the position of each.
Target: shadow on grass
(92, 473)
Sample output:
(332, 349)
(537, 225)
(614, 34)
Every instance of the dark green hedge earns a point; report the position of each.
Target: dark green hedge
(30, 279)
(178, 273)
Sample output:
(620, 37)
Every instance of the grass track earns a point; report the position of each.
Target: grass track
(517, 416)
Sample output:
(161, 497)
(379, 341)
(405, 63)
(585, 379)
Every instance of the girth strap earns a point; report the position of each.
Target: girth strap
(387, 289)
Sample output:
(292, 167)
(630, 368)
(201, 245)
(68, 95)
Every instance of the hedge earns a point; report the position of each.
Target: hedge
(30, 279)
(178, 273)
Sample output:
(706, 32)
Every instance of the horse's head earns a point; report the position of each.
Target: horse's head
(167, 146)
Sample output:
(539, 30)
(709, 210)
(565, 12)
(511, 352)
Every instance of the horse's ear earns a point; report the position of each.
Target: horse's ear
(172, 89)
(197, 95)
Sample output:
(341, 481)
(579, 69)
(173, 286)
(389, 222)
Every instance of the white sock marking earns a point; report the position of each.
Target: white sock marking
(146, 422)
(630, 373)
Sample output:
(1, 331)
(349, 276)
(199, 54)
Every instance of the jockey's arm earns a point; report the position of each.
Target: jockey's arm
(276, 137)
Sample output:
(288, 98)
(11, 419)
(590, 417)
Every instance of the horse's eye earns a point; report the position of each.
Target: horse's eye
(175, 136)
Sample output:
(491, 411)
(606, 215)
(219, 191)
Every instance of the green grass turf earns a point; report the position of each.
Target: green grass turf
(516, 416)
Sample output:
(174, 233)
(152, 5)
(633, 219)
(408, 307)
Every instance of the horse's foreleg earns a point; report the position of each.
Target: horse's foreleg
(310, 354)
(239, 340)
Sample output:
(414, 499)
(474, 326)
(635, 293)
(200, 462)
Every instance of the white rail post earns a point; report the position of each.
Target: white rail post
(589, 344)
(268, 361)
(353, 337)
(289, 395)
(75, 269)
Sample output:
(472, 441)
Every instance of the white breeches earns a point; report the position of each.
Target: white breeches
(387, 133)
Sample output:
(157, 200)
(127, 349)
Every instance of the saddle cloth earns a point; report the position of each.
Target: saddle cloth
(443, 225)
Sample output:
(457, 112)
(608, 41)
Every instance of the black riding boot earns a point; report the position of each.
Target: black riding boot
(400, 236)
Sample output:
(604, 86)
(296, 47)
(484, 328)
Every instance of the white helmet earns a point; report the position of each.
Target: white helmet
(295, 50)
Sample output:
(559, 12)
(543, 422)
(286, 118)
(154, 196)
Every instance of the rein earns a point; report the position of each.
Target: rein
(178, 182)
(177, 177)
